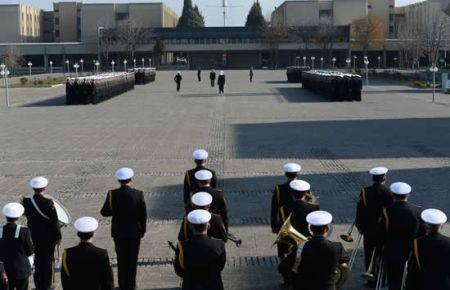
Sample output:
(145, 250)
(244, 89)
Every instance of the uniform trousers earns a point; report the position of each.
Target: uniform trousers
(370, 243)
(127, 251)
(212, 83)
(178, 86)
(221, 89)
(43, 264)
(21, 284)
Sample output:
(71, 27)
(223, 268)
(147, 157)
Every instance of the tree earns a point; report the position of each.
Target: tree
(130, 35)
(273, 35)
(255, 19)
(325, 36)
(436, 25)
(303, 34)
(190, 17)
(12, 58)
(158, 49)
(411, 44)
(368, 32)
(107, 39)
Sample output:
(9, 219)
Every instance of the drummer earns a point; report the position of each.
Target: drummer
(43, 222)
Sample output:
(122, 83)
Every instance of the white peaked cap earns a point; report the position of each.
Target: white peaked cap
(433, 216)
(400, 188)
(319, 218)
(201, 199)
(378, 171)
(291, 167)
(299, 185)
(222, 73)
(199, 216)
(203, 175)
(39, 182)
(124, 173)
(13, 210)
(200, 154)
(86, 224)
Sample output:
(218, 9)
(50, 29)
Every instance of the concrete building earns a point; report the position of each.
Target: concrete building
(339, 12)
(67, 23)
(20, 23)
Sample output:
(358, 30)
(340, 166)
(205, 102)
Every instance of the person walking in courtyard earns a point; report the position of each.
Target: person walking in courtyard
(251, 74)
(178, 78)
(199, 74)
(221, 82)
(212, 77)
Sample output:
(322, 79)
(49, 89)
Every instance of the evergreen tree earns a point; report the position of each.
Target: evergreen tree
(255, 19)
(190, 17)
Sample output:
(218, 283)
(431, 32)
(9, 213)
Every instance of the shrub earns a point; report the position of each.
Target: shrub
(23, 81)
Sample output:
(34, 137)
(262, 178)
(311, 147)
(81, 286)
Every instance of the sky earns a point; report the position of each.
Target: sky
(211, 9)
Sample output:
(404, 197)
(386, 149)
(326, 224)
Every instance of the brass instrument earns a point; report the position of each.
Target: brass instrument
(311, 198)
(348, 237)
(352, 259)
(342, 275)
(380, 277)
(368, 275)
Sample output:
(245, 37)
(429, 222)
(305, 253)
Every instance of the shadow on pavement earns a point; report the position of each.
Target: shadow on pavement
(299, 95)
(55, 101)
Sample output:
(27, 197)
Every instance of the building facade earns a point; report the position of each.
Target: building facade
(67, 21)
(20, 23)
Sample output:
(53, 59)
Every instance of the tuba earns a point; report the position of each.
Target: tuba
(311, 198)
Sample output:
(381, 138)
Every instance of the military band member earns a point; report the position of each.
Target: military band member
(200, 157)
(199, 74)
(216, 229)
(221, 82)
(3, 278)
(45, 232)
(127, 207)
(400, 224)
(15, 248)
(282, 194)
(177, 79)
(251, 74)
(201, 259)
(212, 77)
(428, 266)
(372, 200)
(313, 264)
(218, 204)
(86, 266)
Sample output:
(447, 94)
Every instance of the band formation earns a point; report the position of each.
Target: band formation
(403, 247)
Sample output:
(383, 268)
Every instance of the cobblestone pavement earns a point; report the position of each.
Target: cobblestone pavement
(250, 132)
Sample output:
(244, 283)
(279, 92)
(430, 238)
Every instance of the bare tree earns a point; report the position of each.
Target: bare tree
(130, 35)
(303, 34)
(411, 43)
(107, 39)
(326, 36)
(368, 32)
(12, 58)
(437, 24)
(274, 34)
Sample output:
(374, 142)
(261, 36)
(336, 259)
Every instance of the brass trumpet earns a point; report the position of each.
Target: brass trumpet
(348, 237)
(368, 275)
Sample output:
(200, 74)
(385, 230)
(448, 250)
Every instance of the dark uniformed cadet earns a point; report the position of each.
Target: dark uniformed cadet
(372, 200)
(221, 82)
(201, 259)
(216, 229)
(15, 248)
(178, 78)
(86, 266)
(428, 266)
(3, 278)
(251, 74)
(313, 264)
(45, 232)
(199, 74)
(200, 157)
(282, 194)
(218, 205)
(400, 224)
(127, 207)
(212, 77)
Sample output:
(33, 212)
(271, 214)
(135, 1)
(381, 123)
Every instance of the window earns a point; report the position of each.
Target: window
(122, 16)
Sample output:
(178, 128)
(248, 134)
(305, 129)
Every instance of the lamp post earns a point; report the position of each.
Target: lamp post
(379, 61)
(51, 67)
(134, 64)
(304, 61)
(82, 65)
(395, 62)
(97, 64)
(125, 64)
(76, 66)
(313, 58)
(321, 63)
(112, 65)
(366, 62)
(30, 64)
(434, 69)
(354, 62)
(334, 61)
(4, 73)
(100, 28)
(348, 61)
(68, 67)
(143, 63)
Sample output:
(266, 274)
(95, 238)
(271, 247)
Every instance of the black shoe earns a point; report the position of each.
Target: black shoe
(370, 285)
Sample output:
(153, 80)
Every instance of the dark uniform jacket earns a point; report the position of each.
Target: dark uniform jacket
(372, 200)
(42, 229)
(127, 207)
(318, 266)
(190, 183)
(216, 230)
(429, 265)
(86, 267)
(177, 78)
(200, 261)
(281, 197)
(218, 204)
(14, 252)
(298, 210)
(400, 223)
(221, 80)
(3, 278)
(212, 76)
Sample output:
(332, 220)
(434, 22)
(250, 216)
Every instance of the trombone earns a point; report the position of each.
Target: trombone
(348, 237)
(368, 275)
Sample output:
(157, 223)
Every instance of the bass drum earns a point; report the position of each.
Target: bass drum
(62, 213)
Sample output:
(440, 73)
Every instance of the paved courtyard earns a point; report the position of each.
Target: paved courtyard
(250, 132)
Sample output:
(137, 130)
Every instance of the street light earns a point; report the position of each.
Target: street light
(434, 69)
(112, 64)
(68, 67)
(97, 64)
(304, 61)
(321, 62)
(150, 62)
(354, 62)
(313, 58)
(4, 73)
(379, 61)
(51, 66)
(348, 61)
(134, 61)
(125, 64)
(100, 28)
(30, 64)
(334, 61)
(76, 66)
(143, 63)
(366, 62)
(82, 66)
(395, 62)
